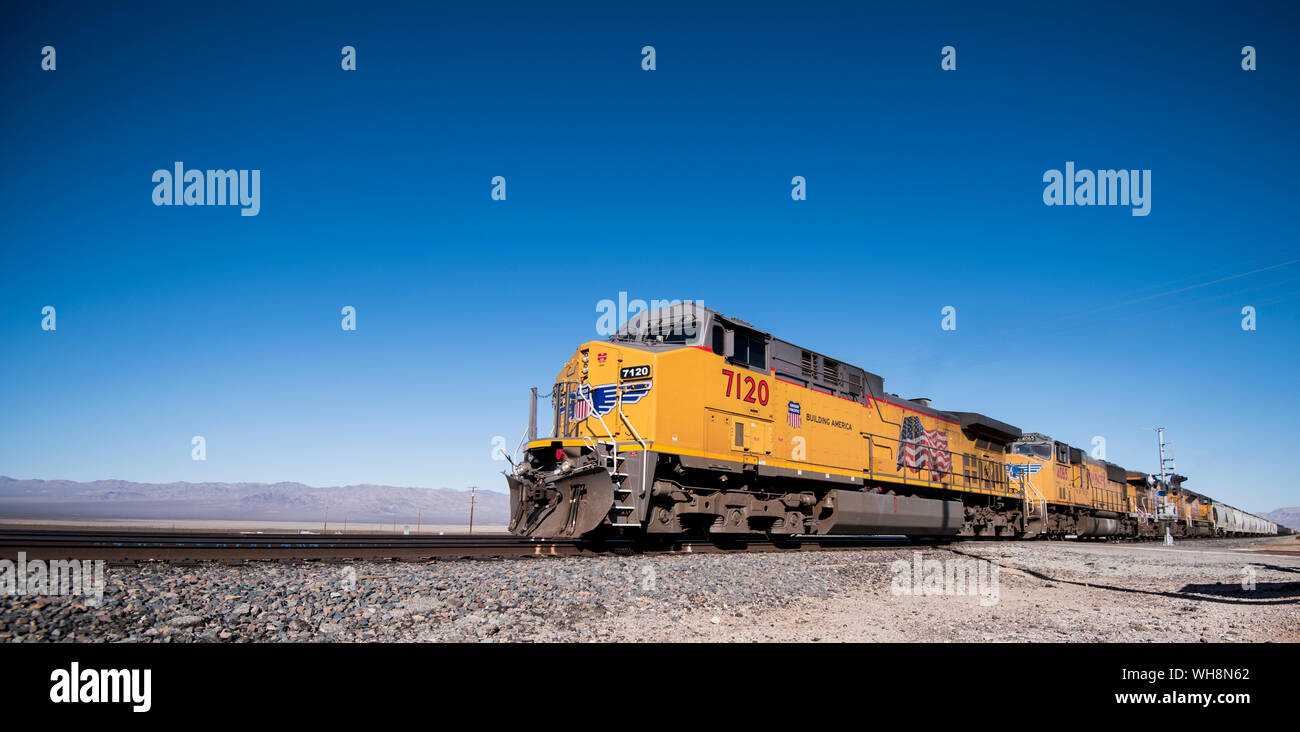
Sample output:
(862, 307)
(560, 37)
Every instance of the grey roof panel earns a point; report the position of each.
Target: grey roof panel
(979, 423)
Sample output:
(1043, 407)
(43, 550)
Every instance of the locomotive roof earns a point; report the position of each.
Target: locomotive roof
(976, 422)
(789, 359)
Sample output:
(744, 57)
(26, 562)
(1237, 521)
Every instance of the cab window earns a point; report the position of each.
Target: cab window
(751, 350)
(1042, 451)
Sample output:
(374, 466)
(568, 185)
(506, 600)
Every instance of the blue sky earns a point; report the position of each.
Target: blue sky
(924, 191)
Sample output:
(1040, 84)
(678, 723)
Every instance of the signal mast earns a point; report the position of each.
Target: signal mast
(1167, 514)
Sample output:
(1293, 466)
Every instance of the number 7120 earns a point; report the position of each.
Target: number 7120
(753, 390)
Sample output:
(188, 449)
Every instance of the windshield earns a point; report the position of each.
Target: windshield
(1042, 451)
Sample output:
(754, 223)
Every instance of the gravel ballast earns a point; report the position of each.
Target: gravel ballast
(1041, 591)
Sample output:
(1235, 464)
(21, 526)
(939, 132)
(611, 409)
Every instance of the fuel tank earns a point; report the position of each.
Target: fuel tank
(1092, 526)
(867, 513)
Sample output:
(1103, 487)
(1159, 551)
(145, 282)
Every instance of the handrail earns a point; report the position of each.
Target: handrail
(612, 439)
(561, 393)
(593, 441)
(644, 448)
(520, 446)
(1038, 496)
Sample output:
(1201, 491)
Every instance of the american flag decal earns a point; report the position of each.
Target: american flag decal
(581, 408)
(793, 416)
(919, 447)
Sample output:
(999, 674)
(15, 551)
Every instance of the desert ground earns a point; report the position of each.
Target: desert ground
(1233, 590)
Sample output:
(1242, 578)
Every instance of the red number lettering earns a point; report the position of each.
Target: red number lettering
(758, 386)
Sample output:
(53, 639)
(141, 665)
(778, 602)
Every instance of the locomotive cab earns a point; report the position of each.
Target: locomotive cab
(593, 469)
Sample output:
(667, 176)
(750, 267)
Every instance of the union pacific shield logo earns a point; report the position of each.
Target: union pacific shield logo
(793, 416)
(601, 400)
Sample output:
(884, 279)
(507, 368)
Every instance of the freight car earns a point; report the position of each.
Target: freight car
(690, 422)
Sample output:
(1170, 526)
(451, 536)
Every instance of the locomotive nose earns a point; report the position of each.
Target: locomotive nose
(559, 503)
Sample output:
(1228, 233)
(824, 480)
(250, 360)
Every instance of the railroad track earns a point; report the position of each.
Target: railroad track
(138, 546)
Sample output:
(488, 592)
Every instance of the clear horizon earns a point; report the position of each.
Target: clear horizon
(466, 489)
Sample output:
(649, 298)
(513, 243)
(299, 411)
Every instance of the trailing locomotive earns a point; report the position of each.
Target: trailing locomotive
(687, 421)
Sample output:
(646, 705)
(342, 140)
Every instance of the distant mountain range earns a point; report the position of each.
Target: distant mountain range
(367, 503)
(1285, 517)
(103, 499)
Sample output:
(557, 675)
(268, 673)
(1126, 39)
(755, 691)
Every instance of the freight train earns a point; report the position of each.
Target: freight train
(687, 422)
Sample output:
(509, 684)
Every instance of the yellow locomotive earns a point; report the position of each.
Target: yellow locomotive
(687, 421)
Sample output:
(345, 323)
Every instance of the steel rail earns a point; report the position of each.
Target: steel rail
(173, 546)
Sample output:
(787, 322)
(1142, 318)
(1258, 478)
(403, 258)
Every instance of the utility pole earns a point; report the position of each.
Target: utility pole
(471, 507)
(419, 513)
(326, 526)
